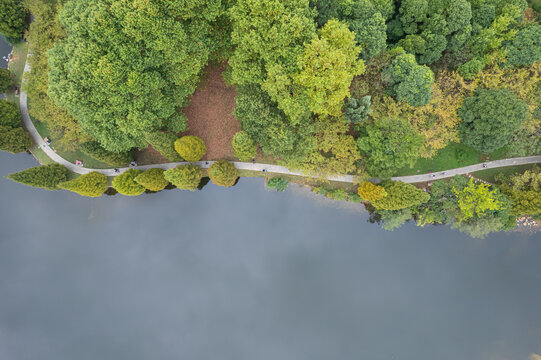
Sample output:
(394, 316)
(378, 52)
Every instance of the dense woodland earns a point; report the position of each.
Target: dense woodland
(362, 87)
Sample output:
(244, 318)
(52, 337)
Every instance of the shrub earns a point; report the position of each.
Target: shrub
(13, 18)
(164, 143)
(46, 176)
(223, 173)
(191, 148)
(184, 177)
(6, 81)
(278, 184)
(125, 183)
(95, 151)
(93, 184)
(243, 146)
(400, 196)
(10, 114)
(371, 192)
(14, 140)
(152, 179)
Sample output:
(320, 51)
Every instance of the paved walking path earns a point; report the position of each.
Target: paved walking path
(275, 169)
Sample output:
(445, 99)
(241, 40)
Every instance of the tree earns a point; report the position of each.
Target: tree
(390, 144)
(45, 176)
(45, 30)
(223, 173)
(490, 118)
(278, 183)
(525, 48)
(370, 192)
(191, 148)
(476, 200)
(357, 110)
(152, 179)
(409, 81)
(14, 140)
(327, 66)
(128, 74)
(243, 146)
(10, 114)
(164, 143)
(186, 177)
(6, 82)
(269, 127)
(526, 202)
(269, 36)
(435, 26)
(93, 184)
(400, 196)
(13, 18)
(95, 151)
(125, 183)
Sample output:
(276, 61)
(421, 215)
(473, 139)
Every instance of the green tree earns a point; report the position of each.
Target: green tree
(45, 176)
(93, 184)
(389, 144)
(409, 81)
(125, 183)
(476, 200)
(269, 36)
(525, 48)
(191, 148)
(13, 18)
(95, 151)
(6, 82)
(10, 114)
(44, 31)
(278, 183)
(128, 74)
(223, 173)
(152, 179)
(435, 26)
(243, 146)
(164, 143)
(327, 67)
(526, 202)
(269, 127)
(186, 177)
(371, 192)
(400, 196)
(490, 118)
(357, 110)
(14, 140)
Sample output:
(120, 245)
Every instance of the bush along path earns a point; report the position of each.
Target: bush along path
(274, 169)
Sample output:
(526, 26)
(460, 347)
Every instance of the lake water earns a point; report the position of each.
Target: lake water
(250, 274)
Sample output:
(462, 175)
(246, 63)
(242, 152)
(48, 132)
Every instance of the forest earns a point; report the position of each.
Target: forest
(370, 88)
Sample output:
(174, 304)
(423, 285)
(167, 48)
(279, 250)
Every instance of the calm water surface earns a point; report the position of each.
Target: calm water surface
(250, 274)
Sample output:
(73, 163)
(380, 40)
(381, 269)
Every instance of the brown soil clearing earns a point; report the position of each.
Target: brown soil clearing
(210, 114)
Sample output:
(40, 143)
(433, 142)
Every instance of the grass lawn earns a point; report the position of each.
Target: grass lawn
(490, 174)
(451, 157)
(16, 66)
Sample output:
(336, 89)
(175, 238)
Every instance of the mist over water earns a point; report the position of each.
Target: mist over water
(246, 273)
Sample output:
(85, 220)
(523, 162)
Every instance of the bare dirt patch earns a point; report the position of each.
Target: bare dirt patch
(210, 114)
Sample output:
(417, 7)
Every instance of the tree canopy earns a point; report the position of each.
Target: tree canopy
(490, 118)
(223, 173)
(191, 148)
(45, 176)
(93, 184)
(13, 17)
(185, 177)
(121, 73)
(152, 179)
(243, 146)
(125, 183)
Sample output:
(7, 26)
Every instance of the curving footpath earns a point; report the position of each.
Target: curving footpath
(275, 169)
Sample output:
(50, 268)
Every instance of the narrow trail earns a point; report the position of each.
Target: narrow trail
(274, 169)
